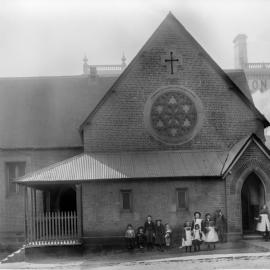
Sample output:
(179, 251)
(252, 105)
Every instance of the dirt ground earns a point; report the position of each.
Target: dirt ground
(175, 258)
(248, 263)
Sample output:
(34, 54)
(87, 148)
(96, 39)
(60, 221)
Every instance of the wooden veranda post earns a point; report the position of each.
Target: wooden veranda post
(25, 213)
(79, 208)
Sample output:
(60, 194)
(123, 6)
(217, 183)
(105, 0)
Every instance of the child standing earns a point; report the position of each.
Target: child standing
(263, 225)
(221, 225)
(140, 238)
(168, 235)
(197, 220)
(149, 231)
(130, 237)
(160, 234)
(187, 236)
(211, 236)
(197, 237)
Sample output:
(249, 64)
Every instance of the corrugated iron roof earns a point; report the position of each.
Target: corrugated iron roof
(125, 165)
(30, 107)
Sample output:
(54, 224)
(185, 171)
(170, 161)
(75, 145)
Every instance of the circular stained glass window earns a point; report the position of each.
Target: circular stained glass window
(173, 114)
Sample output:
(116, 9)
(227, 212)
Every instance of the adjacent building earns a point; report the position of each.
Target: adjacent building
(258, 74)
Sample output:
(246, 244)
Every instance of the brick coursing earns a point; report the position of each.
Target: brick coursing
(102, 214)
(118, 124)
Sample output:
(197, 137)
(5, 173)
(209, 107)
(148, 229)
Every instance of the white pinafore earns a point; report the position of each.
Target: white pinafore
(263, 224)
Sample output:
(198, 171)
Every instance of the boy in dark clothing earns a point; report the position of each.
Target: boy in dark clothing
(221, 224)
(149, 231)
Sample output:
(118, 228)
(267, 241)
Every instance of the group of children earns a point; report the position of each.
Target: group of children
(149, 235)
(210, 230)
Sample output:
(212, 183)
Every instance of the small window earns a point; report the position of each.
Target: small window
(182, 198)
(126, 200)
(13, 171)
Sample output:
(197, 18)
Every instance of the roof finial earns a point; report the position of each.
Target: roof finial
(85, 59)
(123, 61)
(85, 64)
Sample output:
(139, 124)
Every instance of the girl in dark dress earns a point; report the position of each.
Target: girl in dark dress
(149, 231)
(140, 238)
(160, 235)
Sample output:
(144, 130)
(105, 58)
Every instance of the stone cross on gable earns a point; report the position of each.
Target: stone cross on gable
(172, 61)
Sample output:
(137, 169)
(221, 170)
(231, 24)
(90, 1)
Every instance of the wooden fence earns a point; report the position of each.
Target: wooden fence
(52, 228)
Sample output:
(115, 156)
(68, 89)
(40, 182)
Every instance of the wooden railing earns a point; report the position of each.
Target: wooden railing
(52, 228)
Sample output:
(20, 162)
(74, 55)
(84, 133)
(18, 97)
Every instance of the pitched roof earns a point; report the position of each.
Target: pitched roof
(128, 165)
(42, 112)
(143, 164)
(170, 19)
(238, 76)
(239, 148)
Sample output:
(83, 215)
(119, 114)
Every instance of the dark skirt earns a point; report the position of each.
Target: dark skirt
(149, 235)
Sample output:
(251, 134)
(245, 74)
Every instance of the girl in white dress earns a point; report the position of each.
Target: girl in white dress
(196, 238)
(198, 220)
(168, 235)
(211, 236)
(187, 236)
(263, 224)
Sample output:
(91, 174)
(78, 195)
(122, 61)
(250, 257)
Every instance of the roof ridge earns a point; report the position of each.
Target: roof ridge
(158, 151)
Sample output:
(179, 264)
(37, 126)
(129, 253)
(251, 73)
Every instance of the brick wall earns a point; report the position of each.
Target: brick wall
(118, 124)
(102, 215)
(12, 205)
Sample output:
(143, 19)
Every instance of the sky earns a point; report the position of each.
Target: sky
(50, 38)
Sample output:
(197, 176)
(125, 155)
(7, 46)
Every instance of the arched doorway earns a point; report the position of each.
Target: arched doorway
(252, 198)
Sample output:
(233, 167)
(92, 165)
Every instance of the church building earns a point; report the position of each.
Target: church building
(173, 134)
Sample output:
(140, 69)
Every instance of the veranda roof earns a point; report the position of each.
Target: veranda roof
(128, 165)
(142, 165)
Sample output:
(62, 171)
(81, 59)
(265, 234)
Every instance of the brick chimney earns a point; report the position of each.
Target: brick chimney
(240, 51)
